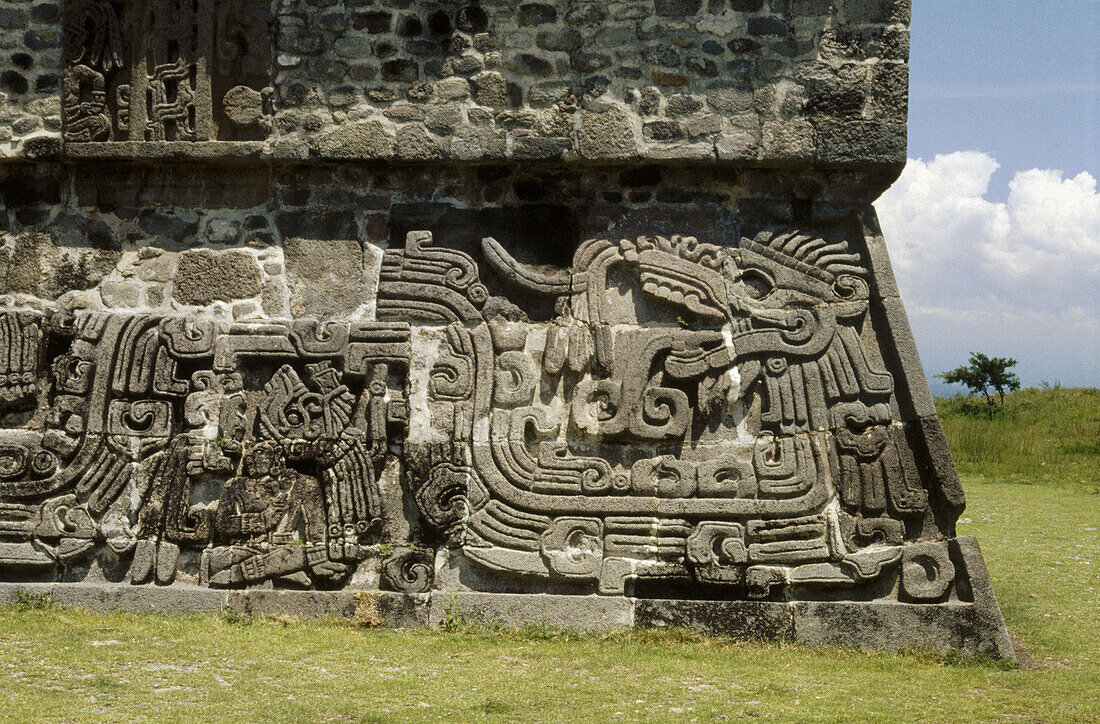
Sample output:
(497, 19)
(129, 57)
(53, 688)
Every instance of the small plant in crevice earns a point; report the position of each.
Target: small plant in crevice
(234, 617)
(453, 620)
(27, 600)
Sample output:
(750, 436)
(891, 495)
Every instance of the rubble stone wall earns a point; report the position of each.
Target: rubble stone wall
(749, 81)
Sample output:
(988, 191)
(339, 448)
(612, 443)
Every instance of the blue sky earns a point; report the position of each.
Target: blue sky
(995, 225)
(1018, 80)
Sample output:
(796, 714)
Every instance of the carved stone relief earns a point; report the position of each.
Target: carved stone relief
(361, 296)
(166, 70)
(717, 416)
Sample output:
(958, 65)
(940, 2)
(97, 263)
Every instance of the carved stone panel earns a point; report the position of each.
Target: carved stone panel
(709, 415)
(443, 298)
(166, 70)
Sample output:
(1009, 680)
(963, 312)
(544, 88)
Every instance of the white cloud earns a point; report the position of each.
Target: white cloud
(1018, 278)
(1055, 225)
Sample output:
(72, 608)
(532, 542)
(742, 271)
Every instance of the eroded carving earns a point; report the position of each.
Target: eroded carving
(166, 71)
(693, 414)
(754, 446)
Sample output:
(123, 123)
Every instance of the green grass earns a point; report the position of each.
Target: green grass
(1048, 435)
(1041, 544)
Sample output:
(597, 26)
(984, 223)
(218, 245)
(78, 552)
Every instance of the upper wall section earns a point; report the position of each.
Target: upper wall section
(746, 82)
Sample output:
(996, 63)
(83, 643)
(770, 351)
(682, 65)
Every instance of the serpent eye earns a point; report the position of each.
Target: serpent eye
(757, 284)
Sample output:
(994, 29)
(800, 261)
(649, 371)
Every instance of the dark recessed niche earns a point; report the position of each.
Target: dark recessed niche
(472, 19)
(439, 23)
(409, 26)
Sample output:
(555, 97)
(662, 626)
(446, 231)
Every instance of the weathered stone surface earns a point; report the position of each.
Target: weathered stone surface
(991, 634)
(608, 134)
(892, 626)
(326, 278)
(323, 75)
(368, 139)
(303, 427)
(40, 264)
(203, 276)
(569, 613)
(761, 620)
(414, 143)
(868, 625)
(137, 599)
(574, 314)
(370, 608)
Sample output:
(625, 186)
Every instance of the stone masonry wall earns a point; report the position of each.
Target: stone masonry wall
(470, 298)
(106, 237)
(30, 77)
(745, 81)
(410, 377)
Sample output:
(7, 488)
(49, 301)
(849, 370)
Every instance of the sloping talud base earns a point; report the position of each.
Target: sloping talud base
(973, 628)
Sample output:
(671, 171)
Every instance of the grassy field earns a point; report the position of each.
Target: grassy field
(1041, 436)
(1041, 544)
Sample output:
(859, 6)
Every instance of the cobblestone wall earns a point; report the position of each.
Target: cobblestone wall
(106, 236)
(30, 77)
(746, 81)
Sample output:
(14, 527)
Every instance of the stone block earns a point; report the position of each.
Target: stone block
(108, 598)
(609, 134)
(204, 276)
(302, 604)
(326, 278)
(568, 613)
(791, 140)
(414, 143)
(993, 634)
(852, 141)
(747, 620)
(366, 140)
(894, 626)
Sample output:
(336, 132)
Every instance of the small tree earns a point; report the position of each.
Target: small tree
(986, 375)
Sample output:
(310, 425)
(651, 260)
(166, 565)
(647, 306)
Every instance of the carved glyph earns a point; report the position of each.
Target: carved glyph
(166, 70)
